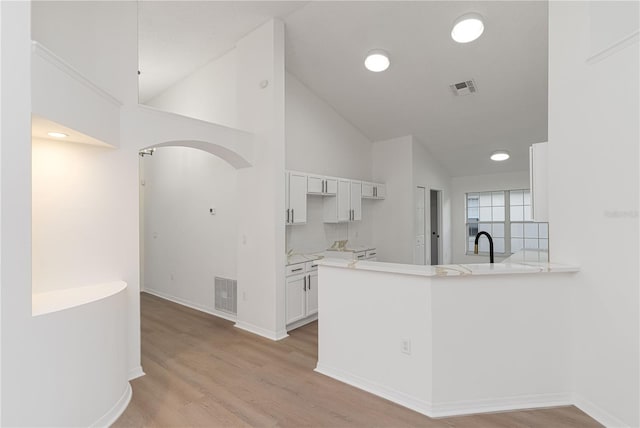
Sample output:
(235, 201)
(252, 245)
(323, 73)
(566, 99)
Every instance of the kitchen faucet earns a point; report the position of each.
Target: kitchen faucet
(475, 247)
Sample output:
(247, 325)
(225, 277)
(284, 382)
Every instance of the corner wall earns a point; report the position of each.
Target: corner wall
(593, 196)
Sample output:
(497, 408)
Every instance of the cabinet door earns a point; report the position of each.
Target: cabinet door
(356, 200)
(298, 198)
(296, 297)
(367, 190)
(344, 203)
(312, 293)
(381, 191)
(331, 186)
(287, 211)
(315, 184)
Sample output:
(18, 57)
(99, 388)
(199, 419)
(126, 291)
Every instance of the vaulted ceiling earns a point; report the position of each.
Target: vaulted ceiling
(326, 42)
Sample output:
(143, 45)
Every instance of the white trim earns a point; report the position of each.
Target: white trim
(454, 408)
(189, 304)
(304, 321)
(615, 47)
(413, 403)
(597, 413)
(519, 402)
(136, 372)
(269, 334)
(53, 59)
(118, 409)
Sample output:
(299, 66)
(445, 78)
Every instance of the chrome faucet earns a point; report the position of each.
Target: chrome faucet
(475, 247)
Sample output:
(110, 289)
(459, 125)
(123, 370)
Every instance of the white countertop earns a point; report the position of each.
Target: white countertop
(302, 258)
(529, 264)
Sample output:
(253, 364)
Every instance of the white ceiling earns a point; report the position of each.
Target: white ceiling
(325, 46)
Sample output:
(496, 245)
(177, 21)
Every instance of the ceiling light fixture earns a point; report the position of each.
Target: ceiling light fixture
(500, 155)
(377, 60)
(57, 134)
(467, 28)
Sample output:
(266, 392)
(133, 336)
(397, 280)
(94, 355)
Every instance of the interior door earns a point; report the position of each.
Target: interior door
(419, 255)
(434, 211)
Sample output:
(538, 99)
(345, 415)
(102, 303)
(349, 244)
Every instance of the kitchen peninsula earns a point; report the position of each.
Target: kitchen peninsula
(450, 339)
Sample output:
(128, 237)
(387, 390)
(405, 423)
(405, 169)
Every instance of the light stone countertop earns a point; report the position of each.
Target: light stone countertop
(302, 258)
(524, 264)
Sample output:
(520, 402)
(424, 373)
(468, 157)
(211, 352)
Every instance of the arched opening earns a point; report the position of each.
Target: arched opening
(188, 225)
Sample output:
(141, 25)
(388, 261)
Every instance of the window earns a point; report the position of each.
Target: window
(506, 216)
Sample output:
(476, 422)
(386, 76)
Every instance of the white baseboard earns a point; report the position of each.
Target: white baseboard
(190, 304)
(136, 372)
(439, 410)
(502, 404)
(597, 413)
(118, 409)
(413, 403)
(269, 334)
(302, 322)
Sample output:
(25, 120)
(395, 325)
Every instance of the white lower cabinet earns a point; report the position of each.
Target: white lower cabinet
(301, 294)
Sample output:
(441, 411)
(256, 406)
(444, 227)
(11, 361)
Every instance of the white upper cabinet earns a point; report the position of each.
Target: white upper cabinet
(319, 185)
(356, 201)
(538, 182)
(380, 191)
(373, 190)
(296, 198)
(347, 205)
(338, 209)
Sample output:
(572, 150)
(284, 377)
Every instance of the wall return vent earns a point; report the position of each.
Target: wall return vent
(226, 295)
(467, 87)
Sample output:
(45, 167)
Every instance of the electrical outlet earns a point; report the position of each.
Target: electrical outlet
(405, 346)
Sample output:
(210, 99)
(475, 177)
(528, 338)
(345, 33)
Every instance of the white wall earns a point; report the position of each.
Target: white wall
(430, 174)
(393, 219)
(103, 48)
(320, 141)
(78, 193)
(593, 197)
(403, 164)
(15, 200)
(209, 93)
(477, 183)
(185, 246)
(261, 229)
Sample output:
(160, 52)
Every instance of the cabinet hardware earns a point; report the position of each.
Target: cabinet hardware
(323, 186)
(309, 282)
(288, 214)
(361, 256)
(314, 266)
(375, 192)
(372, 254)
(296, 270)
(305, 283)
(293, 216)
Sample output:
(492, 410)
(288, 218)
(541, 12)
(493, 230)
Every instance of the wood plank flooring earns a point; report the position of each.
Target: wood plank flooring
(201, 371)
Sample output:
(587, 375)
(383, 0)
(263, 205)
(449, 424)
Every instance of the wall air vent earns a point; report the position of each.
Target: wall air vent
(464, 88)
(226, 295)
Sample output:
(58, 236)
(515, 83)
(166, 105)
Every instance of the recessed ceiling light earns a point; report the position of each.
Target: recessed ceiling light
(467, 28)
(500, 155)
(57, 134)
(377, 60)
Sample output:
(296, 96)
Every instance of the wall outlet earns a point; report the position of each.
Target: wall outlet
(405, 346)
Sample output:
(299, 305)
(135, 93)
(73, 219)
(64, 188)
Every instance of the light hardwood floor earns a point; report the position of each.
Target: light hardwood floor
(201, 371)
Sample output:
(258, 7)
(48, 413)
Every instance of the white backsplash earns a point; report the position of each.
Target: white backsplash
(315, 235)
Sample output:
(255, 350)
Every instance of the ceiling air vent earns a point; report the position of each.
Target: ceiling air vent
(464, 88)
